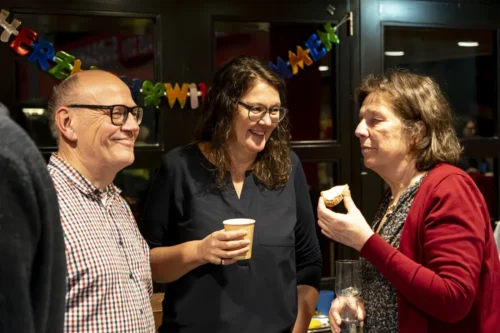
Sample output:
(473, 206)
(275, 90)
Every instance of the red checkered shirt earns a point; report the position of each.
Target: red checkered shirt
(109, 278)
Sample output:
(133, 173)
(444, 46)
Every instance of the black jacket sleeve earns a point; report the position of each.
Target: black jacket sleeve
(18, 238)
(307, 251)
(32, 257)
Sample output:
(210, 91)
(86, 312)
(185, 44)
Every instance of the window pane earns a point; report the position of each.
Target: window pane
(124, 46)
(465, 73)
(310, 93)
(322, 176)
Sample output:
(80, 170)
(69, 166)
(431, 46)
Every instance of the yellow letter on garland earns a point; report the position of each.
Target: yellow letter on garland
(299, 59)
(177, 94)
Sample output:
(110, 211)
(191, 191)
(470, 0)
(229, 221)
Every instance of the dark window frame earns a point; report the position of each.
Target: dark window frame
(447, 14)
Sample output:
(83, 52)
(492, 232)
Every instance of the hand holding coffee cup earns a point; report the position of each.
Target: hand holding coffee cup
(242, 224)
(223, 247)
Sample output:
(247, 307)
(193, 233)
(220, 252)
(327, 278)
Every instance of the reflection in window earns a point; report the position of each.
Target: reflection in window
(124, 46)
(310, 93)
(322, 176)
(462, 62)
(135, 184)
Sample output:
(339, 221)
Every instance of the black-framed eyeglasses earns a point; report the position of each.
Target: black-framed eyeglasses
(117, 113)
(257, 112)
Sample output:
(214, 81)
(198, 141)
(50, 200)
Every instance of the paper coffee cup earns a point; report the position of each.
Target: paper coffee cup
(242, 224)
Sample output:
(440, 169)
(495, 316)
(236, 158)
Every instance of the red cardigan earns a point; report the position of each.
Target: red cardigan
(446, 271)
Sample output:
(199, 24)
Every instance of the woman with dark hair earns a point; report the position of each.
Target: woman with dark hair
(429, 261)
(240, 165)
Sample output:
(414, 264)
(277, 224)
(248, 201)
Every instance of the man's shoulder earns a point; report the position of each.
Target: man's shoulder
(24, 174)
(10, 129)
(13, 137)
(64, 188)
(19, 154)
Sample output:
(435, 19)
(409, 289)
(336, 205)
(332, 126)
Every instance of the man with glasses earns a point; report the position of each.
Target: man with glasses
(96, 122)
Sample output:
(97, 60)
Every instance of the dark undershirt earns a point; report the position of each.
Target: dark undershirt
(380, 298)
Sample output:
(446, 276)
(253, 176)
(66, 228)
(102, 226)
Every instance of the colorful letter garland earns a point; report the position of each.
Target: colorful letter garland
(316, 48)
(61, 64)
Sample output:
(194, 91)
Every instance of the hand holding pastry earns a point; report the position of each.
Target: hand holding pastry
(350, 229)
(335, 195)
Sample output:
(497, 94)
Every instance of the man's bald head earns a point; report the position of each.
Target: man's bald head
(85, 87)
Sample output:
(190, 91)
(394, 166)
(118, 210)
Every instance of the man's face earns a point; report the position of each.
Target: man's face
(99, 141)
(469, 129)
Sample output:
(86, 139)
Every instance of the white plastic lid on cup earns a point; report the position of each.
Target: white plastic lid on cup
(238, 221)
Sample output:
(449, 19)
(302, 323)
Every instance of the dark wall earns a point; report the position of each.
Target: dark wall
(185, 41)
(185, 53)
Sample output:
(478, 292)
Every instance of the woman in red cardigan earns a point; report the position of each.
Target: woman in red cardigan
(429, 260)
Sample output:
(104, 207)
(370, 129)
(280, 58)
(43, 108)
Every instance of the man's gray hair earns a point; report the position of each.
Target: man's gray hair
(62, 94)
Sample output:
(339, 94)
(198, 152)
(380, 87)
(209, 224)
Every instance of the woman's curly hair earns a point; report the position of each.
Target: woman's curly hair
(272, 165)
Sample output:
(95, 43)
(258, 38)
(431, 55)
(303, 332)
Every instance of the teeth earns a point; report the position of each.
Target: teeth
(257, 133)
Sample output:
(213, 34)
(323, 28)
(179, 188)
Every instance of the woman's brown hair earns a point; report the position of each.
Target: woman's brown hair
(272, 165)
(418, 100)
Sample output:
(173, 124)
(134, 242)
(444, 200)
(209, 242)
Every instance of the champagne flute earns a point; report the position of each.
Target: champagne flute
(348, 286)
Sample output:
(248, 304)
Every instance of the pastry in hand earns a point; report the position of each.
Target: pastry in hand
(335, 195)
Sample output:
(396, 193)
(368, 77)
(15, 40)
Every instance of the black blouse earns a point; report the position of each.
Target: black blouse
(255, 295)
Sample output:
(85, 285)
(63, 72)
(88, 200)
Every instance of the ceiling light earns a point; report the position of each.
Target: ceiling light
(468, 44)
(323, 68)
(33, 111)
(394, 53)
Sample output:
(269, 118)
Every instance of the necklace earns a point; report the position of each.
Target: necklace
(391, 207)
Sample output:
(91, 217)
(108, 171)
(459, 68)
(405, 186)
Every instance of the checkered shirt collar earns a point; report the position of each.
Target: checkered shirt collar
(78, 180)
